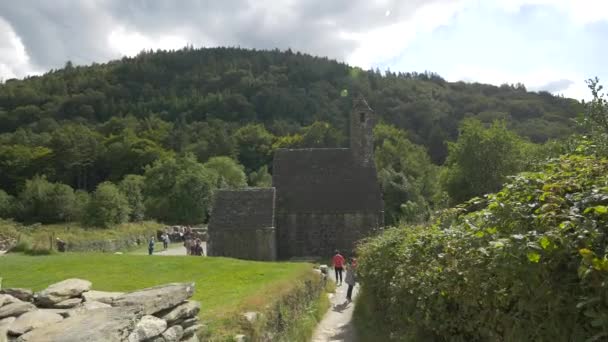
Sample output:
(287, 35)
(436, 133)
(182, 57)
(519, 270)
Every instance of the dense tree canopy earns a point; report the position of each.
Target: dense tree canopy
(481, 159)
(85, 125)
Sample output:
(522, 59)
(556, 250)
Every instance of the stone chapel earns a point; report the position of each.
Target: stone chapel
(321, 199)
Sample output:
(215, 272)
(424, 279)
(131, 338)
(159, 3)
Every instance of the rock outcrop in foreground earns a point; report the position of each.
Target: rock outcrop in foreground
(69, 311)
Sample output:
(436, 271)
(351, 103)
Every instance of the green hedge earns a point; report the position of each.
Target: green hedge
(526, 264)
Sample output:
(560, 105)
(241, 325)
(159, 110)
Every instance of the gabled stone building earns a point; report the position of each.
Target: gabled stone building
(323, 199)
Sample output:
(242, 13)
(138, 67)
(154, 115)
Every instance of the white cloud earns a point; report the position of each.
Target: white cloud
(128, 43)
(580, 11)
(14, 60)
(386, 42)
(541, 79)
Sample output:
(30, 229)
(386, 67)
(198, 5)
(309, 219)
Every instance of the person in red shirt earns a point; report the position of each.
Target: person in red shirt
(338, 261)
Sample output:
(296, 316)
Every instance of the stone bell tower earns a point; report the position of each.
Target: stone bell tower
(362, 121)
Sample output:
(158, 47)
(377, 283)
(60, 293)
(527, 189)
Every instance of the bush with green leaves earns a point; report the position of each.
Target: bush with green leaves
(230, 174)
(107, 206)
(6, 204)
(45, 202)
(481, 159)
(529, 263)
(260, 178)
(132, 187)
(408, 178)
(179, 190)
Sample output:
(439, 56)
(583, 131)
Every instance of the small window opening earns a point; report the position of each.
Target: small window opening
(362, 117)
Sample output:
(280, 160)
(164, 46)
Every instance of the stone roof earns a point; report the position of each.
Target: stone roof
(361, 104)
(251, 208)
(324, 180)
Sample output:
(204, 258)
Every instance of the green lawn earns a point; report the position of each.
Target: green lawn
(223, 286)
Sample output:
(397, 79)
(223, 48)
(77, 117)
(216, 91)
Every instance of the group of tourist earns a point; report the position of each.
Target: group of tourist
(340, 264)
(164, 237)
(194, 246)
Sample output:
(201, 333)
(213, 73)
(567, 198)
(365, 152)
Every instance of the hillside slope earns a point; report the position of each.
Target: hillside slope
(283, 90)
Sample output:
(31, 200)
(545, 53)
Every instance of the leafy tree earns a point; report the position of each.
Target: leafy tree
(230, 174)
(45, 202)
(128, 154)
(595, 119)
(481, 159)
(19, 163)
(407, 176)
(81, 205)
(210, 139)
(321, 134)
(6, 204)
(76, 149)
(178, 190)
(108, 206)
(254, 145)
(132, 187)
(260, 178)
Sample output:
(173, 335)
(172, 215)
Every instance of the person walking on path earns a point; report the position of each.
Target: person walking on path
(151, 246)
(165, 238)
(338, 261)
(188, 245)
(197, 249)
(351, 279)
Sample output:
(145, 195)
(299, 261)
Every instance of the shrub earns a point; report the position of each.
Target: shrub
(132, 187)
(81, 203)
(45, 202)
(230, 174)
(178, 190)
(528, 263)
(6, 204)
(108, 206)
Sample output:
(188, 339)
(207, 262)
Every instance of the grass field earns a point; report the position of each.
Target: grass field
(225, 287)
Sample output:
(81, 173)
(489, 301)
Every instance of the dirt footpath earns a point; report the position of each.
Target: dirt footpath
(337, 323)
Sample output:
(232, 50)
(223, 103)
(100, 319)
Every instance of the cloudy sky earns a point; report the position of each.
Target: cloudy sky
(551, 45)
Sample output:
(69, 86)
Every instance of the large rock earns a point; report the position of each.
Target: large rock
(101, 296)
(173, 334)
(188, 322)
(155, 299)
(4, 324)
(193, 338)
(157, 339)
(7, 299)
(93, 306)
(192, 330)
(68, 303)
(16, 309)
(61, 312)
(48, 300)
(187, 310)
(21, 294)
(32, 320)
(61, 291)
(113, 324)
(148, 327)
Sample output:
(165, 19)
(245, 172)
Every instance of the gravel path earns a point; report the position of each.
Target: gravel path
(178, 250)
(337, 323)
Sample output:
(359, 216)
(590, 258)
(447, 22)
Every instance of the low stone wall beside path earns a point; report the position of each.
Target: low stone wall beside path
(69, 311)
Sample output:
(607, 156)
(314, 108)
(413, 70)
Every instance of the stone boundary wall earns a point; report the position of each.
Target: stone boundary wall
(70, 311)
(111, 245)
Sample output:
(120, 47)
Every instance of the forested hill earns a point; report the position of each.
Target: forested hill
(283, 90)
